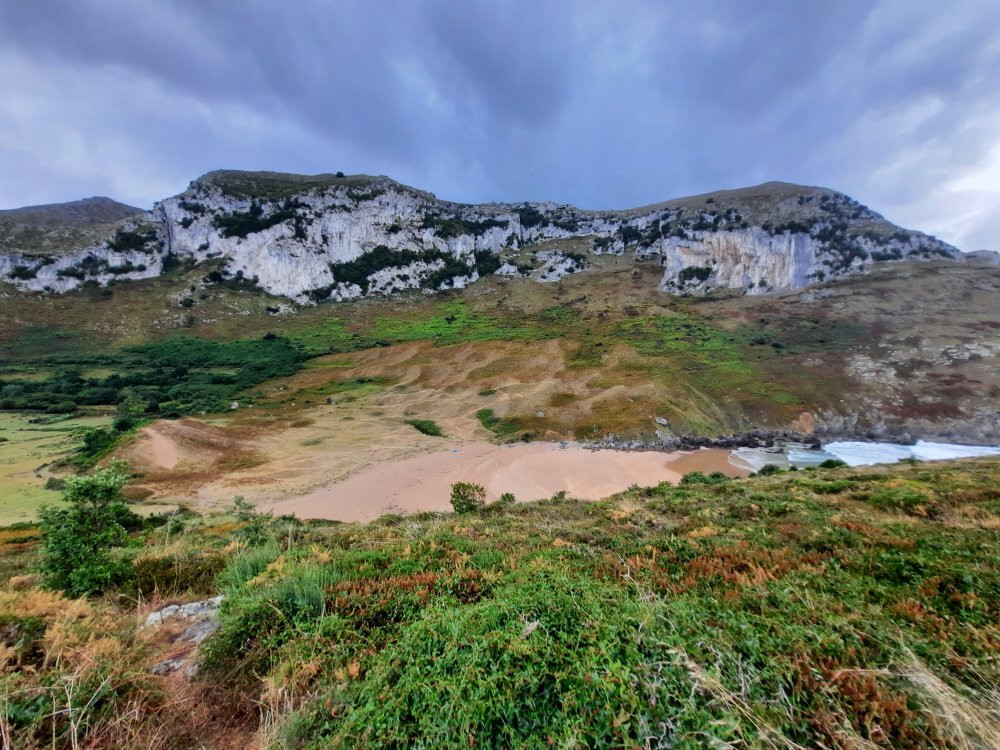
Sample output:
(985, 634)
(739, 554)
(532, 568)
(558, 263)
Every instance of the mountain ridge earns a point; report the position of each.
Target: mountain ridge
(335, 236)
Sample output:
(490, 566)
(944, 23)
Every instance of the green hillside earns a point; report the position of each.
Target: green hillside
(824, 608)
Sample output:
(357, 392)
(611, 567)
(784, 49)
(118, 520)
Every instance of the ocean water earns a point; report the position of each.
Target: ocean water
(855, 453)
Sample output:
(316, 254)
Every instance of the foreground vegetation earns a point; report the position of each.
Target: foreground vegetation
(824, 608)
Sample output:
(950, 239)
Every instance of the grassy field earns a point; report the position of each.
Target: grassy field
(25, 453)
(823, 608)
(31, 454)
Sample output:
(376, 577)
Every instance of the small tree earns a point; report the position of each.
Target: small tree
(77, 540)
(467, 497)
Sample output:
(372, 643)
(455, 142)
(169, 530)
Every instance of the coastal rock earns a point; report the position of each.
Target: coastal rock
(669, 444)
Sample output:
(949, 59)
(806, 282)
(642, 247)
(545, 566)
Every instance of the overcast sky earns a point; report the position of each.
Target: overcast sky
(599, 104)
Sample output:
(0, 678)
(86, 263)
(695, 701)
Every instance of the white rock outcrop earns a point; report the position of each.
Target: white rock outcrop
(329, 237)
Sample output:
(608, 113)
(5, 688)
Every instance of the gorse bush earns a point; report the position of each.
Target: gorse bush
(467, 497)
(77, 541)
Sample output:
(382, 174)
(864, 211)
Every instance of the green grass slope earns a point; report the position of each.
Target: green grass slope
(825, 608)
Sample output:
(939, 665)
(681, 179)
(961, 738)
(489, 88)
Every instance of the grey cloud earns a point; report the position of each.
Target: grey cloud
(602, 105)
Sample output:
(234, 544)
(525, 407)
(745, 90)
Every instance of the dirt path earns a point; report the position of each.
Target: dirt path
(529, 470)
(161, 449)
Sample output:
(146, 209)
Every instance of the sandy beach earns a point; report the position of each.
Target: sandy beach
(529, 470)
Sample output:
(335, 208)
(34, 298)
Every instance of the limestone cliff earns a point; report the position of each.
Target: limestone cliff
(339, 237)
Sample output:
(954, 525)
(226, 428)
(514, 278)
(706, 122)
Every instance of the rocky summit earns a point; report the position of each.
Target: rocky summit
(319, 237)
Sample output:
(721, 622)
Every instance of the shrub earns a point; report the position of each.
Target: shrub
(487, 418)
(256, 527)
(832, 463)
(96, 444)
(530, 216)
(125, 241)
(426, 426)
(629, 234)
(505, 501)
(175, 574)
(486, 262)
(467, 497)
(77, 540)
(830, 488)
(697, 274)
(359, 270)
(768, 469)
(446, 228)
(254, 220)
(551, 660)
(23, 272)
(698, 477)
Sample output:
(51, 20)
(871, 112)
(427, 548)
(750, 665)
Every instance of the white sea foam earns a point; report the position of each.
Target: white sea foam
(857, 453)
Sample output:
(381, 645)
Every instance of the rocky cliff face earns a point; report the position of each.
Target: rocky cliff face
(320, 237)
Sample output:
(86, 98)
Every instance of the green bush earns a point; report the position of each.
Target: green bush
(426, 426)
(256, 528)
(359, 270)
(23, 272)
(697, 274)
(699, 477)
(77, 540)
(552, 660)
(252, 221)
(179, 373)
(832, 463)
(125, 241)
(768, 469)
(467, 497)
(486, 262)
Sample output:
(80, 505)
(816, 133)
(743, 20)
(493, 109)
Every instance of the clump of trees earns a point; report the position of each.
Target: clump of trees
(241, 224)
(166, 378)
(697, 274)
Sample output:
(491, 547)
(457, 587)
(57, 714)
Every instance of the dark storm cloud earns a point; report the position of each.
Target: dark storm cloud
(598, 104)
